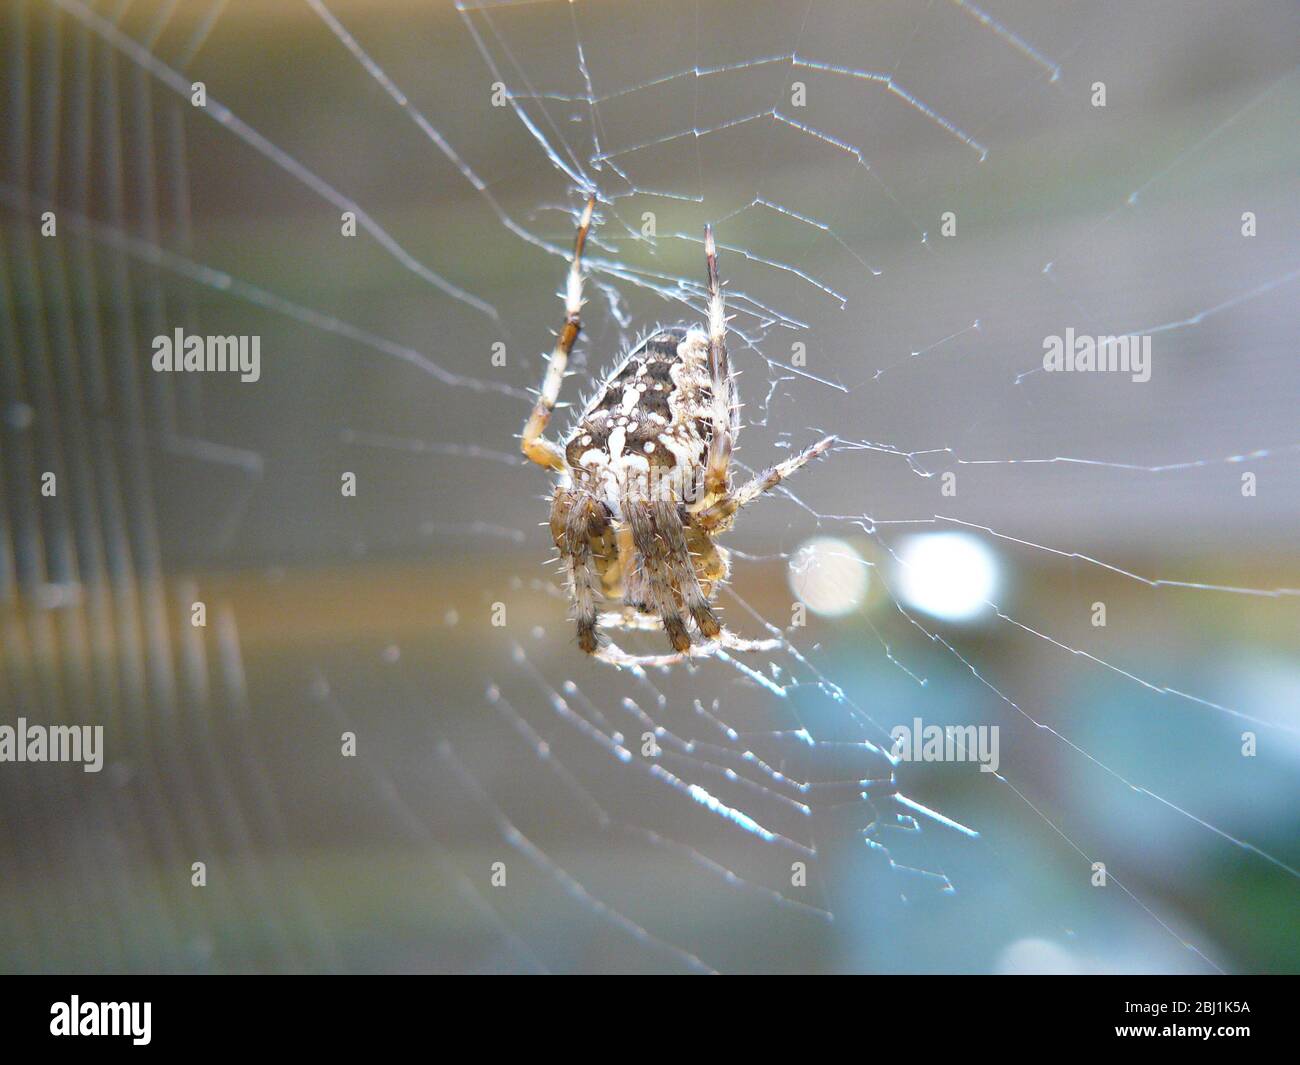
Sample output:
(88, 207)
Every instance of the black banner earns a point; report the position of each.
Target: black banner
(140, 1014)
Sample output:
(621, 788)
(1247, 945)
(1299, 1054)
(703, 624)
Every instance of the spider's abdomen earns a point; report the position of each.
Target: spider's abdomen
(650, 417)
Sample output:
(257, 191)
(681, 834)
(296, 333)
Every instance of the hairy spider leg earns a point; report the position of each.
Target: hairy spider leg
(533, 443)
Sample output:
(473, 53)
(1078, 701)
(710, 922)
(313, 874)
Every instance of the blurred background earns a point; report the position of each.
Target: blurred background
(383, 743)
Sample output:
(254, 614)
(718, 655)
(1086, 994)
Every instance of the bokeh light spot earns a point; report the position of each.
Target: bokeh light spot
(948, 575)
(829, 575)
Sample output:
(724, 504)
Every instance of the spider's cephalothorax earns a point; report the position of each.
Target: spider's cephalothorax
(645, 482)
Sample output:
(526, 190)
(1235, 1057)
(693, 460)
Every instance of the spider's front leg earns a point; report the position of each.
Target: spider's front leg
(653, 579)
(534, 445)
(582, 532)
(681, 568)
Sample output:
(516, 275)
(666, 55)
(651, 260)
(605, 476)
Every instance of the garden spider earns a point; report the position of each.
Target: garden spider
(645, 481)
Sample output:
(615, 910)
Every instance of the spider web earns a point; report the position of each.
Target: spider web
(743, 812)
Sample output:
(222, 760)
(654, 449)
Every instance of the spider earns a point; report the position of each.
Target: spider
(644, 481)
